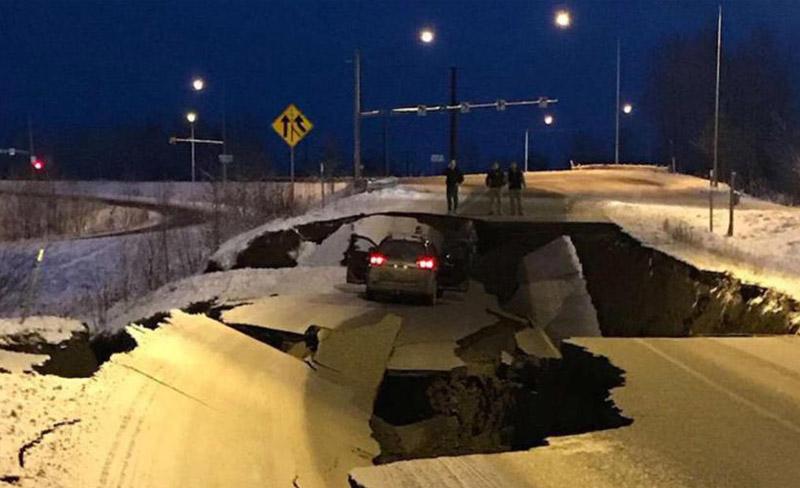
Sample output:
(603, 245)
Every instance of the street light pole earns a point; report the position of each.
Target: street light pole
(616, 107)
(191, 124)
(715, 176)
(453, 116)
(357, 116)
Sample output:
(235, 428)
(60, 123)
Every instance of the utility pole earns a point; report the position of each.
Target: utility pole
(453, 116)
(357, 116)
(731, 203)
(30, 137)
(716, 101)
(192, 137)
(617, 107)
(386, 146)
(526, 149)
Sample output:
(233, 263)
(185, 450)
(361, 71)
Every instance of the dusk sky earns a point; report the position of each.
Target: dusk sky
(75, 64)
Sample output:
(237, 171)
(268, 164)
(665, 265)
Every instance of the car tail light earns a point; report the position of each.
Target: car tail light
(376, 259)
(426, 262)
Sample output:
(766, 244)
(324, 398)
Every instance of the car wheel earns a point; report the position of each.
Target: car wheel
(371, 295)
(439, 293)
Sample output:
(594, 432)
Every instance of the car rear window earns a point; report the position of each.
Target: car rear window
(402, 250)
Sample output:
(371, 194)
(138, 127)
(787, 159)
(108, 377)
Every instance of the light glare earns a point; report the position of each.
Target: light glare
(627, 108)
(563, 19)
(198, 84)
(191, 117)
(426, 36)
(548, 119)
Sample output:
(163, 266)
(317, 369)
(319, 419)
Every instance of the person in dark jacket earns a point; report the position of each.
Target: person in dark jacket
(453, 178)
(495, 181)
(516, 182)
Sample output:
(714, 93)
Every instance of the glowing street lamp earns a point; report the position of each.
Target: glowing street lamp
(627, 108)
(192, 118)
(426, 36)
(548, 121)
(198, 84)
(563, 19)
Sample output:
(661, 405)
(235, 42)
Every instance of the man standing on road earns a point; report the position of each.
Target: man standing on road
(495, 180)
(453, 178)
(516, 182)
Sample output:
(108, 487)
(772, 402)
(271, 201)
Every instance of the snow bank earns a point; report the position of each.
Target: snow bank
(391, 199)
(331, 251)
(763, 250)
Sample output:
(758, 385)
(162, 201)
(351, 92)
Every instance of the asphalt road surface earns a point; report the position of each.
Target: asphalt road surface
(707, 412)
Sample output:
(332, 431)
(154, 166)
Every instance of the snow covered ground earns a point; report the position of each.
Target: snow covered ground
(763, 250)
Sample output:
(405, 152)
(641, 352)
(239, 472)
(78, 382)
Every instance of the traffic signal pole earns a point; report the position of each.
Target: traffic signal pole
(357, 116)
(453, 116)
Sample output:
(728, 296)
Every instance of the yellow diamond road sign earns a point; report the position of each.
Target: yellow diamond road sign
(292, 125)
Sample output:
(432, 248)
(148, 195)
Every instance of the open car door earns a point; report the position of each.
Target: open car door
(357, 258)
(455, 264)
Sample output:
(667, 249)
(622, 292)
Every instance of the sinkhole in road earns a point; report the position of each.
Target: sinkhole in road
(515, 407)
(636, 291)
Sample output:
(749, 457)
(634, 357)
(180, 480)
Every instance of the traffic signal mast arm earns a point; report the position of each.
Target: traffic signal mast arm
(13, 151)
(463, 107)
(173, 140)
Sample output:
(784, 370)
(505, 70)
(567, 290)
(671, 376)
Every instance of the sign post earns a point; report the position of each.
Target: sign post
(292, 126)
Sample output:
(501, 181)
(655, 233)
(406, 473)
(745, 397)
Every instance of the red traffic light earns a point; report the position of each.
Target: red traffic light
(38, 164)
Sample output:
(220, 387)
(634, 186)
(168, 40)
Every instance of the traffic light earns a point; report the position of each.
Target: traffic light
(37, 164)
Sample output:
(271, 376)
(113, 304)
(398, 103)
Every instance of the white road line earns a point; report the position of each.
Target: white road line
(764, 412)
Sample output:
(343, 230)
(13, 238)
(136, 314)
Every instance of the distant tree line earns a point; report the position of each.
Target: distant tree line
(142, 152)
(758, 134)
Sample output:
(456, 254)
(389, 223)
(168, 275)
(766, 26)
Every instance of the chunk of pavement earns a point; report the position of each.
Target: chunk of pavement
(425, 356)
(577, 318)
(541, 301)
(533, 341)
(19, 362)
(552, 292)
(557, 259)
(487, 344)
(358, 356)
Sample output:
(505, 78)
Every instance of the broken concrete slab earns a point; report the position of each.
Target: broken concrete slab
(577, 318)
(239, 412)
(540, 301)
(282, 313)
(555, 260)
(552, 292)
(425, 356)
(19, 362)
(533, 341)
(358, 356)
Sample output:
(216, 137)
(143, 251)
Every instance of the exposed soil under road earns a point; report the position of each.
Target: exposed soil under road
(638, 291)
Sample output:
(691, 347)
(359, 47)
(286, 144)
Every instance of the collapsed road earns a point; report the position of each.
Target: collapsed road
(559, 365)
